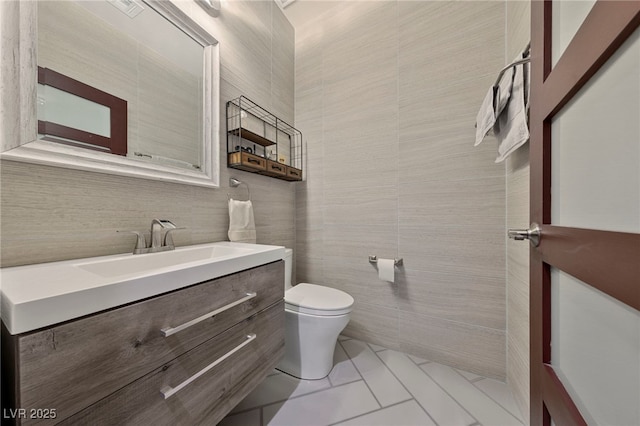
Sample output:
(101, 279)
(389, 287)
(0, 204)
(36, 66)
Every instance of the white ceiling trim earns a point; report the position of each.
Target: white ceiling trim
(283, 3)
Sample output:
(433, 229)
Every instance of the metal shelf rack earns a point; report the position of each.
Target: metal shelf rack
(260, 142)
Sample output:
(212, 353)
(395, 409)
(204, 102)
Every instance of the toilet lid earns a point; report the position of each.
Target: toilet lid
(317, 300)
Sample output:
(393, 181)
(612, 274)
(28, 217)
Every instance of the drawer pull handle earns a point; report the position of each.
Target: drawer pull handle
(253, 160)
(168, 331)
(168, 391)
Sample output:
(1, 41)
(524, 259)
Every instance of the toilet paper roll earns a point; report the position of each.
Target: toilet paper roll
(387, 269)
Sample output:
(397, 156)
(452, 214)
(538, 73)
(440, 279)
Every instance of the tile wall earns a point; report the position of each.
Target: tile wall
(51, 214)
(517, 182)
(386, 96)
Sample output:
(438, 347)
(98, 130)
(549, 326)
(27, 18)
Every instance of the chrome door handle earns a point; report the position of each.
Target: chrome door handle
(533, 234)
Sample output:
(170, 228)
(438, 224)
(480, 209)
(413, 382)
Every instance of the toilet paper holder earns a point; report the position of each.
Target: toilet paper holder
(374, 259)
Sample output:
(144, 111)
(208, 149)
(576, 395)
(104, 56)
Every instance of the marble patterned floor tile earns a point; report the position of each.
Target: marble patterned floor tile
(373, 386)
(343, 369)
(470, 376)
(376, 348)
(501, 393)
(280, 387)
(386, 388)
(322, 408)
(483, 408)
(417, 360)
(407, 413)
(440, 406)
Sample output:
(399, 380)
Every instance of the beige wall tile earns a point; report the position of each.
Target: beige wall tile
(430, 152)
(389, 94)
(518, 342)
(471, 348)
(244, 31)
(372, 205)
(518, 259)
(517, 180)
(518, 20)
(346, 261)
(470, 299)
(362, 161)
(518, 188)
(451, 249)
(374, 324)
(282, 66)
(309, 270)
(447, 201)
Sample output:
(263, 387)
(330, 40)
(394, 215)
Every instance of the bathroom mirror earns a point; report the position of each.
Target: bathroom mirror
(151, 55)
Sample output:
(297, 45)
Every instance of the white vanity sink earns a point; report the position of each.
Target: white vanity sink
(144, 263)
(36, 296)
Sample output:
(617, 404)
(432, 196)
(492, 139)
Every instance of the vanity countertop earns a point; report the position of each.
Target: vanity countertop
(36, 296)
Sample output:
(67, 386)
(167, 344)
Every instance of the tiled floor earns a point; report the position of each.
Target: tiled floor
(374, 386)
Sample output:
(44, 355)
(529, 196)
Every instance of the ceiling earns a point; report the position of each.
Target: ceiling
(300, 12)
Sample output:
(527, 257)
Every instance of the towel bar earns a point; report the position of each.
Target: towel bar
(527, 51)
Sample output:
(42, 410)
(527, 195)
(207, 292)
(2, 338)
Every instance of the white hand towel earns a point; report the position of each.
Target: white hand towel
(486, 116)
(242, 226)
(512, 130)
(493, 104)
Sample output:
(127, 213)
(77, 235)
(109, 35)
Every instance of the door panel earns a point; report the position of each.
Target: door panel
(585, 194)
(586, 326)
(567, 18)
(596, 162)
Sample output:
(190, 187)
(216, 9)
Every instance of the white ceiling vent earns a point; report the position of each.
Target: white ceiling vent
(131, 8)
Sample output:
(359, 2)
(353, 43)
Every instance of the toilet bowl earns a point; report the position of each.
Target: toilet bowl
(314, 317)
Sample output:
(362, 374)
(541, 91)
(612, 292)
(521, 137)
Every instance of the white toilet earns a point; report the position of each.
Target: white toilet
(314, 317)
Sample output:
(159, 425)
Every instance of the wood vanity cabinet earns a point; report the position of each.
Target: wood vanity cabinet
(111, 368)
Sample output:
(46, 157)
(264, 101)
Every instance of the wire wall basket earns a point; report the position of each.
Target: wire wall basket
(260, 142)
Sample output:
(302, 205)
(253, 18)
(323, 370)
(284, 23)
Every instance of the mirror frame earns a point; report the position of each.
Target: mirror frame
(18, 139)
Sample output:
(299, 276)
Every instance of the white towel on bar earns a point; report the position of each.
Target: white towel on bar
(492, 105)
(511, 129)
(242, 227)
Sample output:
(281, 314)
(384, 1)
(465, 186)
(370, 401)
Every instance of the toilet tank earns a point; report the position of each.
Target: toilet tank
(288, 267)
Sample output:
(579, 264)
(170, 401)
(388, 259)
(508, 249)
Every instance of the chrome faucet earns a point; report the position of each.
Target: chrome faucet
(157, 242)
(156, 232)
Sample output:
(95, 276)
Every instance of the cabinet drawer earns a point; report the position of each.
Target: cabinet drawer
(276, 169)
(294, 174)
(244, 160)
(213, 393)
(75, 364)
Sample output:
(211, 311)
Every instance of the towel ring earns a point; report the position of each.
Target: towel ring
(233, 183)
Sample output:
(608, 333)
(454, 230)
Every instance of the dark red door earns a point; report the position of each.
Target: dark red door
(604, 261)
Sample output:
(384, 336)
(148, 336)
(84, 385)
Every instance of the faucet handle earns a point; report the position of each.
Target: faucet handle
(141, 243)
(168, 238)
(166, 224)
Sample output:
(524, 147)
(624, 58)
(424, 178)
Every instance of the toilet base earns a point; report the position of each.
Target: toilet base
(310, 341)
